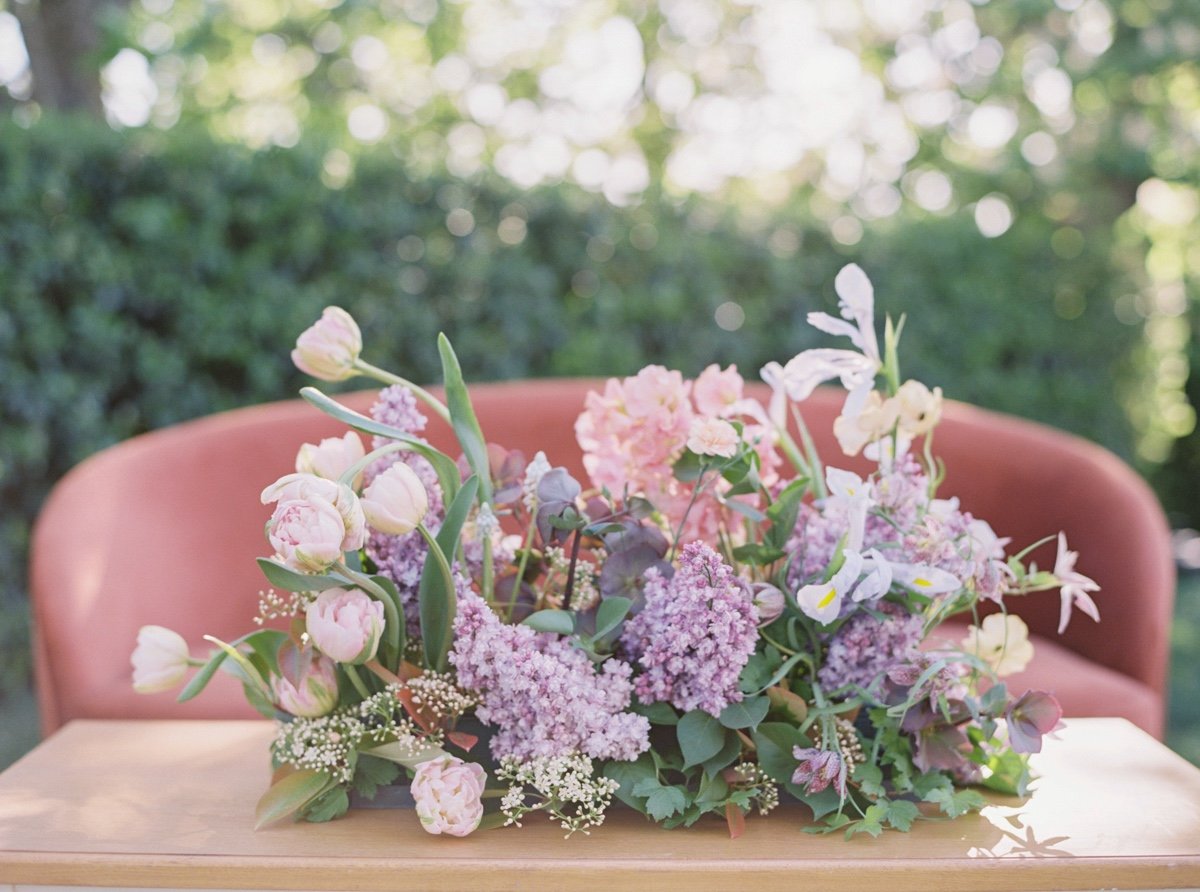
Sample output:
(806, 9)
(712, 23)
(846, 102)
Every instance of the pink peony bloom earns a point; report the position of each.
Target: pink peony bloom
(449, 795)
(332, 457)
(396, 500)
(329, 348)
(314, 693)
(345, 625)
(307, 535)
(160, 660)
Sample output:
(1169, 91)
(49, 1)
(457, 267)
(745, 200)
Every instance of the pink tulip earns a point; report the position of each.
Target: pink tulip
(345, 625)
(332, 457)
(314, 693)
(329, 348)
(312, 489)
(307, 534)
(160, 660)
(396, 500)
(449, 795)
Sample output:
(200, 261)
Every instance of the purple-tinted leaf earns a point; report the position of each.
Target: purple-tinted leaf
(943, 747)
(623, 574)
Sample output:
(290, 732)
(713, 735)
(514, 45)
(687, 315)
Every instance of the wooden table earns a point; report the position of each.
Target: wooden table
(169, 804)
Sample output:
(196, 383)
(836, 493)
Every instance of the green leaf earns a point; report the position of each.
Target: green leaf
(729, 752)
(1009, 773)
(394, 630)
(405, 755)
(955, 803)
(901, 813)
(265, 643)
(657, 713)
(774, 742)
(746, 714)
(758, 555)
(245, 669)
(443, 465)
(869, 779)
(783, 513)
(290, 794)
(371, 773)
(291, 581)
(630, 775)
(688, 468)
(332, 804)
(713, 789)
(666, 801)
(746, 510)
(436, 597)
(462, 418)
(700, 737)
(820, 804)
(561, 622)
(610, 614)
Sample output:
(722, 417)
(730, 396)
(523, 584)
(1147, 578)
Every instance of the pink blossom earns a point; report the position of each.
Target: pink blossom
(313, 693)
(329, 348)
(449, 795)
(1074, 586)
(345, 625)
(312, 489)
(712, 436)
(718, 392)
(307, 535)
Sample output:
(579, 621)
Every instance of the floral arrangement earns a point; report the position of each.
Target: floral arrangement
(712, 623)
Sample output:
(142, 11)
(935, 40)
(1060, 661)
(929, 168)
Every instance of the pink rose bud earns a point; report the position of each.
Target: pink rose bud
(313, 693)
(332, 457)
(307, 534)
(449, 795)
(329, 348)
(396, 500)
(345, 625)
(768, 602)
(160, 660)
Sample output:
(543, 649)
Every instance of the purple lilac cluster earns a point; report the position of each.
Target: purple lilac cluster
(401, 558)
(544, 696)
(862, 651)
(695, 634)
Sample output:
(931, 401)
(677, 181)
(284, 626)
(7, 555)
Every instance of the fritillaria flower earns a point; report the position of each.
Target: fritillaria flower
(818, 769)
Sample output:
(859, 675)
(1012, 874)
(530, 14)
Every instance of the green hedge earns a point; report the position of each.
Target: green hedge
(149, 278)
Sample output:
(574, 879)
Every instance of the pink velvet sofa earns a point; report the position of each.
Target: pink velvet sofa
(165, 528)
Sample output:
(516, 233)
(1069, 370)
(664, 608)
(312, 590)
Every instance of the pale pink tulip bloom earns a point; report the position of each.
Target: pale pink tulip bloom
(160, 660)
(395, 501)
(449, 795)
(329, 348)
(345, 625)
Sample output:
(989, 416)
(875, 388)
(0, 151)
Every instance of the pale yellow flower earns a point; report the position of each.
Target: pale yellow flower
(1001, 641)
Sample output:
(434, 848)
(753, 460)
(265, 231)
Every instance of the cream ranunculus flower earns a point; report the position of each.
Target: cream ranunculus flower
(329, 348)
(1001, 641)
(160, 660)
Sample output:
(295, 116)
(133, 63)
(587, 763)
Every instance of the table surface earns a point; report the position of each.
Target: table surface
(171, 804)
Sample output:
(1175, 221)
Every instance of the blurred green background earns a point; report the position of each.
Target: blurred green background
(584, 186)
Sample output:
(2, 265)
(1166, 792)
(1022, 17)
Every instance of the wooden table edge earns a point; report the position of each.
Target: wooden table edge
(816, 875)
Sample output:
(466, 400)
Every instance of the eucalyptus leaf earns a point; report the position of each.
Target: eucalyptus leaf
(610, 614)
(561, 622)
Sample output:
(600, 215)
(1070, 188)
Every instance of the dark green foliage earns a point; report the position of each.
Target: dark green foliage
(148, 278)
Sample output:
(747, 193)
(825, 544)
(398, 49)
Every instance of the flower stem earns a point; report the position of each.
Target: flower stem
(356, 680)
(420, 392)
(438, 554)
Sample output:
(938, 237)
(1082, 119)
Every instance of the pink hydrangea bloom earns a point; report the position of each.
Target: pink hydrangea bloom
(695, 634)
(544, 697)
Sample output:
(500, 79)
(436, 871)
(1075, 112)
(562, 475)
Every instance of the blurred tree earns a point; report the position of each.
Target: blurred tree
(63, 39)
